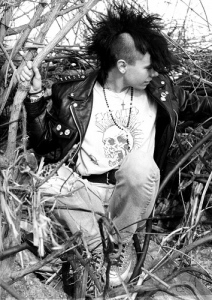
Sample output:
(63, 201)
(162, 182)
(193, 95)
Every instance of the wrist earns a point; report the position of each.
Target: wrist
(35, 97)
(35, 92)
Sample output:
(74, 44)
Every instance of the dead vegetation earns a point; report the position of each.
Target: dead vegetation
(171, 264)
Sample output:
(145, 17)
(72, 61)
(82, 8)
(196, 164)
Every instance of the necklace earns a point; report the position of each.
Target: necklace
(123, 128)
(117, 95)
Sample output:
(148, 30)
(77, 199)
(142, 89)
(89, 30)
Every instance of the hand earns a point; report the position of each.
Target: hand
(31, 72)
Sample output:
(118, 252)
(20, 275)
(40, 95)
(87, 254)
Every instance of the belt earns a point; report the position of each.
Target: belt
(108, 177)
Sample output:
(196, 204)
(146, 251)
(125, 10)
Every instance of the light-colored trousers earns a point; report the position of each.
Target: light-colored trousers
(78, 203)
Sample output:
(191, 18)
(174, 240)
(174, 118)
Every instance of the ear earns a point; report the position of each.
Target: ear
(122, 66)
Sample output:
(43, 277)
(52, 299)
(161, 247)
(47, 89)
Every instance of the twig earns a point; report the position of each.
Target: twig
(202, 199)
(197, 77)
(175, 254)
(16, 49)
(24, 129)
(18, 275)
(144, 249)
(188, 270)
(89, 269)
(8, 58)
(173, 233)
(11, 291)
(156, 278)
(184, 158)
(43, 19)
(119, 293)
(196, 191)
(41, 56)
(190, 286)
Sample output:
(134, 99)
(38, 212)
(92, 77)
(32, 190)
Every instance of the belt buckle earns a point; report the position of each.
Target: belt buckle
(110, 177)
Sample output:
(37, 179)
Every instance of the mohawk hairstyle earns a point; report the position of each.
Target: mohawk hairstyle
(109, 43)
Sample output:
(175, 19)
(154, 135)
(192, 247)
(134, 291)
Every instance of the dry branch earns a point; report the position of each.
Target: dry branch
(55, 254)
(31, 54)
(41, 56)
(185, 157)
(22, 89)
(17, 47)
(8, 58)
(43, 19)
(5, 21)
(10, 290)
(201, 79)
(24, 35)
(179, 253)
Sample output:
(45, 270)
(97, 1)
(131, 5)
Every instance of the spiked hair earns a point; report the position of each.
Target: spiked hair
(109, 41)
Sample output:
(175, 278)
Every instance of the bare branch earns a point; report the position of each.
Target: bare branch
(22, 88)
(43, 19)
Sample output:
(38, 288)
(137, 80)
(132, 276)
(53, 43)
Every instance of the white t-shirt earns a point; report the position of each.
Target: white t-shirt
(105, 145)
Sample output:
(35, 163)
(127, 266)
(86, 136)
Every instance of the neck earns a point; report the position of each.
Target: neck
(114, 83)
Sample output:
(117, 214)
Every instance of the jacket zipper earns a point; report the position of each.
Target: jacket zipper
(75, 121)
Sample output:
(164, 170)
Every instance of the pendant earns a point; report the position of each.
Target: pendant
(129, 138)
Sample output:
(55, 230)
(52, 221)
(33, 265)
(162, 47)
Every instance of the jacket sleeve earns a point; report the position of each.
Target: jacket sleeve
(40, 123)
(192, 106)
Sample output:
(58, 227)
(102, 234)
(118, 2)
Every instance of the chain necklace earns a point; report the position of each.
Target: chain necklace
(123, 128)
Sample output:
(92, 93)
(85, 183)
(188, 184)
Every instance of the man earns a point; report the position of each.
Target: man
(117, 125)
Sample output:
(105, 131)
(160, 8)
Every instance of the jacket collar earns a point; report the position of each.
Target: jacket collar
(159, 89)
(157, 84)
(84, 88)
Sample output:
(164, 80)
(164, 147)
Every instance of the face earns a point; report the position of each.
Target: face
(140, 73)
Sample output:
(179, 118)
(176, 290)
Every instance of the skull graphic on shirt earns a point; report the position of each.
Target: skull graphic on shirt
(115, 144)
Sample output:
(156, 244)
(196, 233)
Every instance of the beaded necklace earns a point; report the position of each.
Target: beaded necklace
(112, 117)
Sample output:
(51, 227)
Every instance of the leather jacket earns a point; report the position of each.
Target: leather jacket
(58, 130)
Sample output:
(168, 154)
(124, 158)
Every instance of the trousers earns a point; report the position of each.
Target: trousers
(78, 204)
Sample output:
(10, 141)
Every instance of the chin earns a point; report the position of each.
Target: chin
(143, 86)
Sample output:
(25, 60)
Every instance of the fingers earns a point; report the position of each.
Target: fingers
(29, 64)
(31, 74)
(27, 72)
(37, 73)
